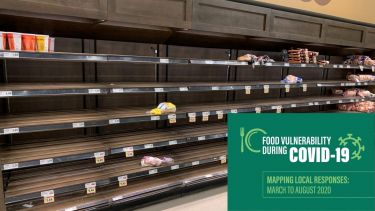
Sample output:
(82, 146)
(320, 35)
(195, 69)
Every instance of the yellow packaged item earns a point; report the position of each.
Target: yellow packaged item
(163, 108)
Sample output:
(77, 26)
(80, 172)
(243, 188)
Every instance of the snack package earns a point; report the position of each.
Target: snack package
(359, 60)
(360, 78)
(155, 161)
(163, 108)
(291, 79)
(252, 59)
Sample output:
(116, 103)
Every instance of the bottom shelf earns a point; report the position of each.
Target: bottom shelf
(142, 188)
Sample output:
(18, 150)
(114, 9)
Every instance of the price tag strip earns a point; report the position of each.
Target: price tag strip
(48, 196)
(192, 117)
(247, 90)
(99, 157)
(205, 116)
(220, 114)
(90, 187)
(172, 118)
(122, 181)
(129, 151)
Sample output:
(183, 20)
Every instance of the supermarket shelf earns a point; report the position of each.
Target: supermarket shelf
(178, 181)
(84, 57)
(25, 185)
(48, 121)
(32, 89)
(55, 151)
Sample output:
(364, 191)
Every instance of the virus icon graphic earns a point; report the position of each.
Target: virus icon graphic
(356, 142)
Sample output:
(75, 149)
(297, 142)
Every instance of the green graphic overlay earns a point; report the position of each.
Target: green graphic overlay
(316, 162)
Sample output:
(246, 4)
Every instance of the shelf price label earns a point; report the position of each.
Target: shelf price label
(114, 121)
(11, 130)
(10, 166)
(99, 157)
(303, 65)
(201, 138)
(155, 118)
(287, 87)
(335, 66)
(148, 146)
(174, 167)
(340, 101)
(361, 67)
(266, 89)
(267, 64)
(341, 66)
(215, 88)
(118, 90)
(192, 117)
(173, 142)
(159, 89)
(164, 61)
(90, 187)
(116, 198)
(293, 105)
(234, 111)
(278, 108)
(304, 87)
(94, 91)
(78, 124)
(205, 116)
(220, 114)
(328, 102)
(223, 159)
(347, 66)
(286, 64)
(373, 68)
(194, 163)
(258, 110)
(129, 151)
(122, 181)
(9, 55)
(70, 209)
(247, 90)
(153, 171)
(46, 161)
(184, 89)
(48, 196)
(172, 118)
(6, 93)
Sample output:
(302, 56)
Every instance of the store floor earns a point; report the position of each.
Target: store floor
(212, 199)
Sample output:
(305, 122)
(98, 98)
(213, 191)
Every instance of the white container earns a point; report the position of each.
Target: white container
(15, 41)
(51, 44)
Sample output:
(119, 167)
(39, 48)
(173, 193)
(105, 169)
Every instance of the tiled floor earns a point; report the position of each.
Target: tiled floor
(212, 199)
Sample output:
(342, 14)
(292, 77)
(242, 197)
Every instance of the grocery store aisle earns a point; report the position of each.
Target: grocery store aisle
(212, 199)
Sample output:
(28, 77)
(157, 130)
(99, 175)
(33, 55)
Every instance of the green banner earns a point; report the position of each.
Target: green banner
(320, 162)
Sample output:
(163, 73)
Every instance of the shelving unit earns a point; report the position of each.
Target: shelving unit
(74, 124)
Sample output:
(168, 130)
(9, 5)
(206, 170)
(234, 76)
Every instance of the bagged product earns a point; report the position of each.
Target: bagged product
(163, 108)
(291, 79)
(155, 161)
(360, 78)
(252, 59)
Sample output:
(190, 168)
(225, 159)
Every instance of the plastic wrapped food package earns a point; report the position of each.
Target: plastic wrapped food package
(360, 60)
(291, 79)
(366, 106)
(360, 78)
(163, 108)
(155, 161)
(353, 92)
(251, 58)
(302, 55)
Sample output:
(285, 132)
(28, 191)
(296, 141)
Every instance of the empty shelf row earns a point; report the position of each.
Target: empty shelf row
(43, 89)
(52, 151)
(139, 189)
(48, 121)
(84, 57)
(88, 178)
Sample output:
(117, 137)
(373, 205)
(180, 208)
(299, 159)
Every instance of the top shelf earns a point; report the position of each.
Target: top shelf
(84, 57)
